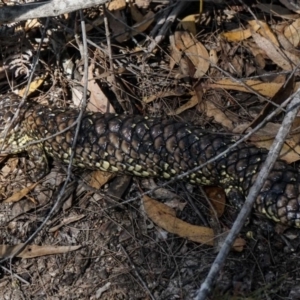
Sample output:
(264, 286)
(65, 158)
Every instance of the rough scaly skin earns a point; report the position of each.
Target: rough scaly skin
(150, 147)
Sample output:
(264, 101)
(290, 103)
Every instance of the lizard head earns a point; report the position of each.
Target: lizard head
(10, 119)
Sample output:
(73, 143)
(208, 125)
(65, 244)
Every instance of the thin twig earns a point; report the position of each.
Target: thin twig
(279, 140)
(111, 62)
(15, 275)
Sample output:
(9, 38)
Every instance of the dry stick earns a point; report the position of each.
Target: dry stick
(15, 275)
(111, 62)
(291, 113)
(44, 9)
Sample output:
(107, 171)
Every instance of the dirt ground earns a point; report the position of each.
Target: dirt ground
(123, 255)
(215, 69)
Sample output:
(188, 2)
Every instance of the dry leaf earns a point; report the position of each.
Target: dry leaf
(191, 103)
(164, 216)
(117, 22)
(264, 138)
(137, 16)
(98, 100)
(292, 33)
(283, 93)
(163, 94)
(282, 58)
(268, 89)
(66, 221)
(217, 197)
(31, 251)
(116, 5)
(122, 33)
(194, 50)
(188, 23)
(211, 110)
(287, 45)
(237, 35)
(10, 166)
(147, 20)
(21, 194)
(94, 23)
(264, 30)
(186, 66)
(34, 85)
(237, 65)
(99, 178)
(258, 54)
(176, 203)
(243, 34)
(175, 54)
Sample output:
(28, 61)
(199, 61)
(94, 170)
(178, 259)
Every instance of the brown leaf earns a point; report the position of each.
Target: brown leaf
(116, 5)
(66, 221)
(163, 94)
(99, 178)
(194, 50)
(98, 100)
(164, 216)
(34, 85)
(21, 194)
(122, 33)
(264, 139)
(268, 89)
(188, 23)
(177, 58)
(264, 30)
(217, 197)
(237, 35)
(191, 103)
(291, 32)
(283, 93)
(284, 59)
(31, 251)
(144, 24)
(137, 16)
(211, 110)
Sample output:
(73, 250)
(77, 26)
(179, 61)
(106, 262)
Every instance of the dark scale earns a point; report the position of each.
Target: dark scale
(144, 146)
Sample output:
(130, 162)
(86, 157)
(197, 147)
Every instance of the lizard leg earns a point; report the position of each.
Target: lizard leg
(37, 155)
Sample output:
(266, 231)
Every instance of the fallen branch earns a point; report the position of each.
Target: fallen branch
(291, 113)
(44, 9)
